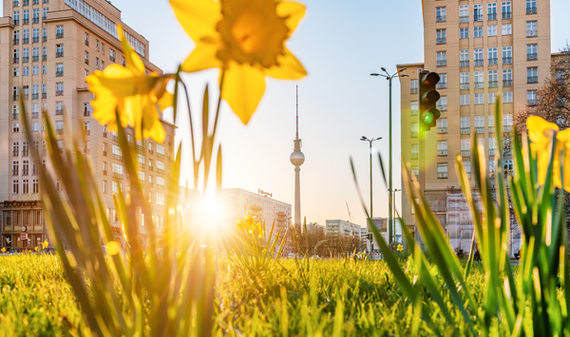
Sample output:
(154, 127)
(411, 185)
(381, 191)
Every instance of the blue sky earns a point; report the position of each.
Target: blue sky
(340, 43)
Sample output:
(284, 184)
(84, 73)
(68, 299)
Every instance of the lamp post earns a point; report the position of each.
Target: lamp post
(390, 201)
(395, 191)
(372, 140)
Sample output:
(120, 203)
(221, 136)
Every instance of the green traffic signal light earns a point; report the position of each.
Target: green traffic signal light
(428, 118)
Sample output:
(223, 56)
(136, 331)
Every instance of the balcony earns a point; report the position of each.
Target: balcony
(59, 131)
(493, 61)
(15, 154)
(441, 63)
(159, 171)
(59, 54)
(413, 90)
(16, 60)
(35, 96)
(86, 113)
(465, 153)
(442, 175)
(26, 21)
(117, 175)
(464, 86)
(441, 85)
(479, 85)
(440, 18)
(44, 38)
(59, 93)
(26, 3)
(117, 157)
(25, 59)
(16, 22)
(24, 172)
(532, 79)
(478, 63)
(491, 16)
(491, 152)
(44, 95)
(36, 39)
(59, 35)
(506, 15)
(441, 40)
(414, 134)
(493, 84)
(465, 131)
(415, 155)
(35, 115)
(15, 41)
(442, 129)
(44, 57)
(531, 10)
(464, 18)
(36, 20)
(531, 33)
(15, 97)
(14, 172)
(507, 83)
(477, 18)
(464, 64)
(479, 129)
(35, 58)
(15, 116)
(16, 4)
(412, 113)
(59, 74)
(26, 40)
(441, 153)
(532, 102)
(532, 56)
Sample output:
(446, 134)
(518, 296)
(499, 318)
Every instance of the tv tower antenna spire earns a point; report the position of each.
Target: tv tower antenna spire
(297, 159)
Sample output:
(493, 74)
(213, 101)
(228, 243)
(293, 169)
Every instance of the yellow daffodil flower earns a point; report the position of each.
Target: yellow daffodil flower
(400, 248)
(244, 38)
(539, 132)
(45, 244)
(36, 249)
(136, 97)
(112, 248)
(3, 250)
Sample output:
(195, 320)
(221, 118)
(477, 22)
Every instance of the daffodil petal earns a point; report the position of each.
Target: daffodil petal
(289, 68)
(567, 165)
(197, 17)
(134, 62)
(151, 126)
(202, 57)
(166, 101)
(293, 12)
(536, 128)
(243, 89)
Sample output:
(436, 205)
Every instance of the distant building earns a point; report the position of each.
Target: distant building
(382, 225)
(342, 236)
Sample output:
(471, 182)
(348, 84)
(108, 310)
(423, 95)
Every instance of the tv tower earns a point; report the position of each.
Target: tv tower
(297, 159)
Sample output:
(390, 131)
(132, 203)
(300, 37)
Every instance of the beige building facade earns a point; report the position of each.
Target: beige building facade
(481, 49)
(47, 49)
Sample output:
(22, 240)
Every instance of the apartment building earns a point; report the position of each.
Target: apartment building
(47, 49)
(481, 49)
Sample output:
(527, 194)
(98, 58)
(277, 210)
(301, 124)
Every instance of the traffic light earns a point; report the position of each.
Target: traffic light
(428, 98)
(370, 237)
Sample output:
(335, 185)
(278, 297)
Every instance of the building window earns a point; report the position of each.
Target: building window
(492, 142)
(464, 33)
(507, 77)
(441, 170)
(532, 75)
(493, 79)
(507, 55)
(464, 81)
(415, 151)
(442, 125)
(35, 186)
(36, 15)
(26, 39)
(59, 50)
(465, 126)
(492, 30)
(531, 30)
(532, 52)
(464, 13)
(465, 147)
(44, 53)
(507, 29)
(15, 186)
(15, 112)
(478, 31)
(15, 127)
(442, 103)
(16, 71)
(59, 70)
(87, 57)
(59, 127)
(492, 11)
(478, 57)
(59, 32)
(35, 126)
(479, 123)
(441, 36)
(25, 186)
(507, 122)
(442, 148)
(59, 89)
(440, 15)
(87, 39)
(414, 130)
(15, 149)
(36, 35)
(45, 11)
(15, 168)
(44, 34)
(506, 9)
(530, 6)
(493, 55)
(441, 58)
(16, 18)
(112, 55)
(464, 58)
(478, 12)
(413, 86)
(507, 97)
(442, 84)
(479, 82)
(464, 99)
(25, 71)
(104, 186)
(479, 99)
(532, 97)
(44, 69)
(159, 198)
(35, 70)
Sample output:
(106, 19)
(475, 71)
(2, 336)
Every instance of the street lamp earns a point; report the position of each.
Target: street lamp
(390, 201)
(372, 140)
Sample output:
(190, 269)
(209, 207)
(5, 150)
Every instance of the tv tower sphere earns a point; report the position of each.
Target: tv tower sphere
(297, 158)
